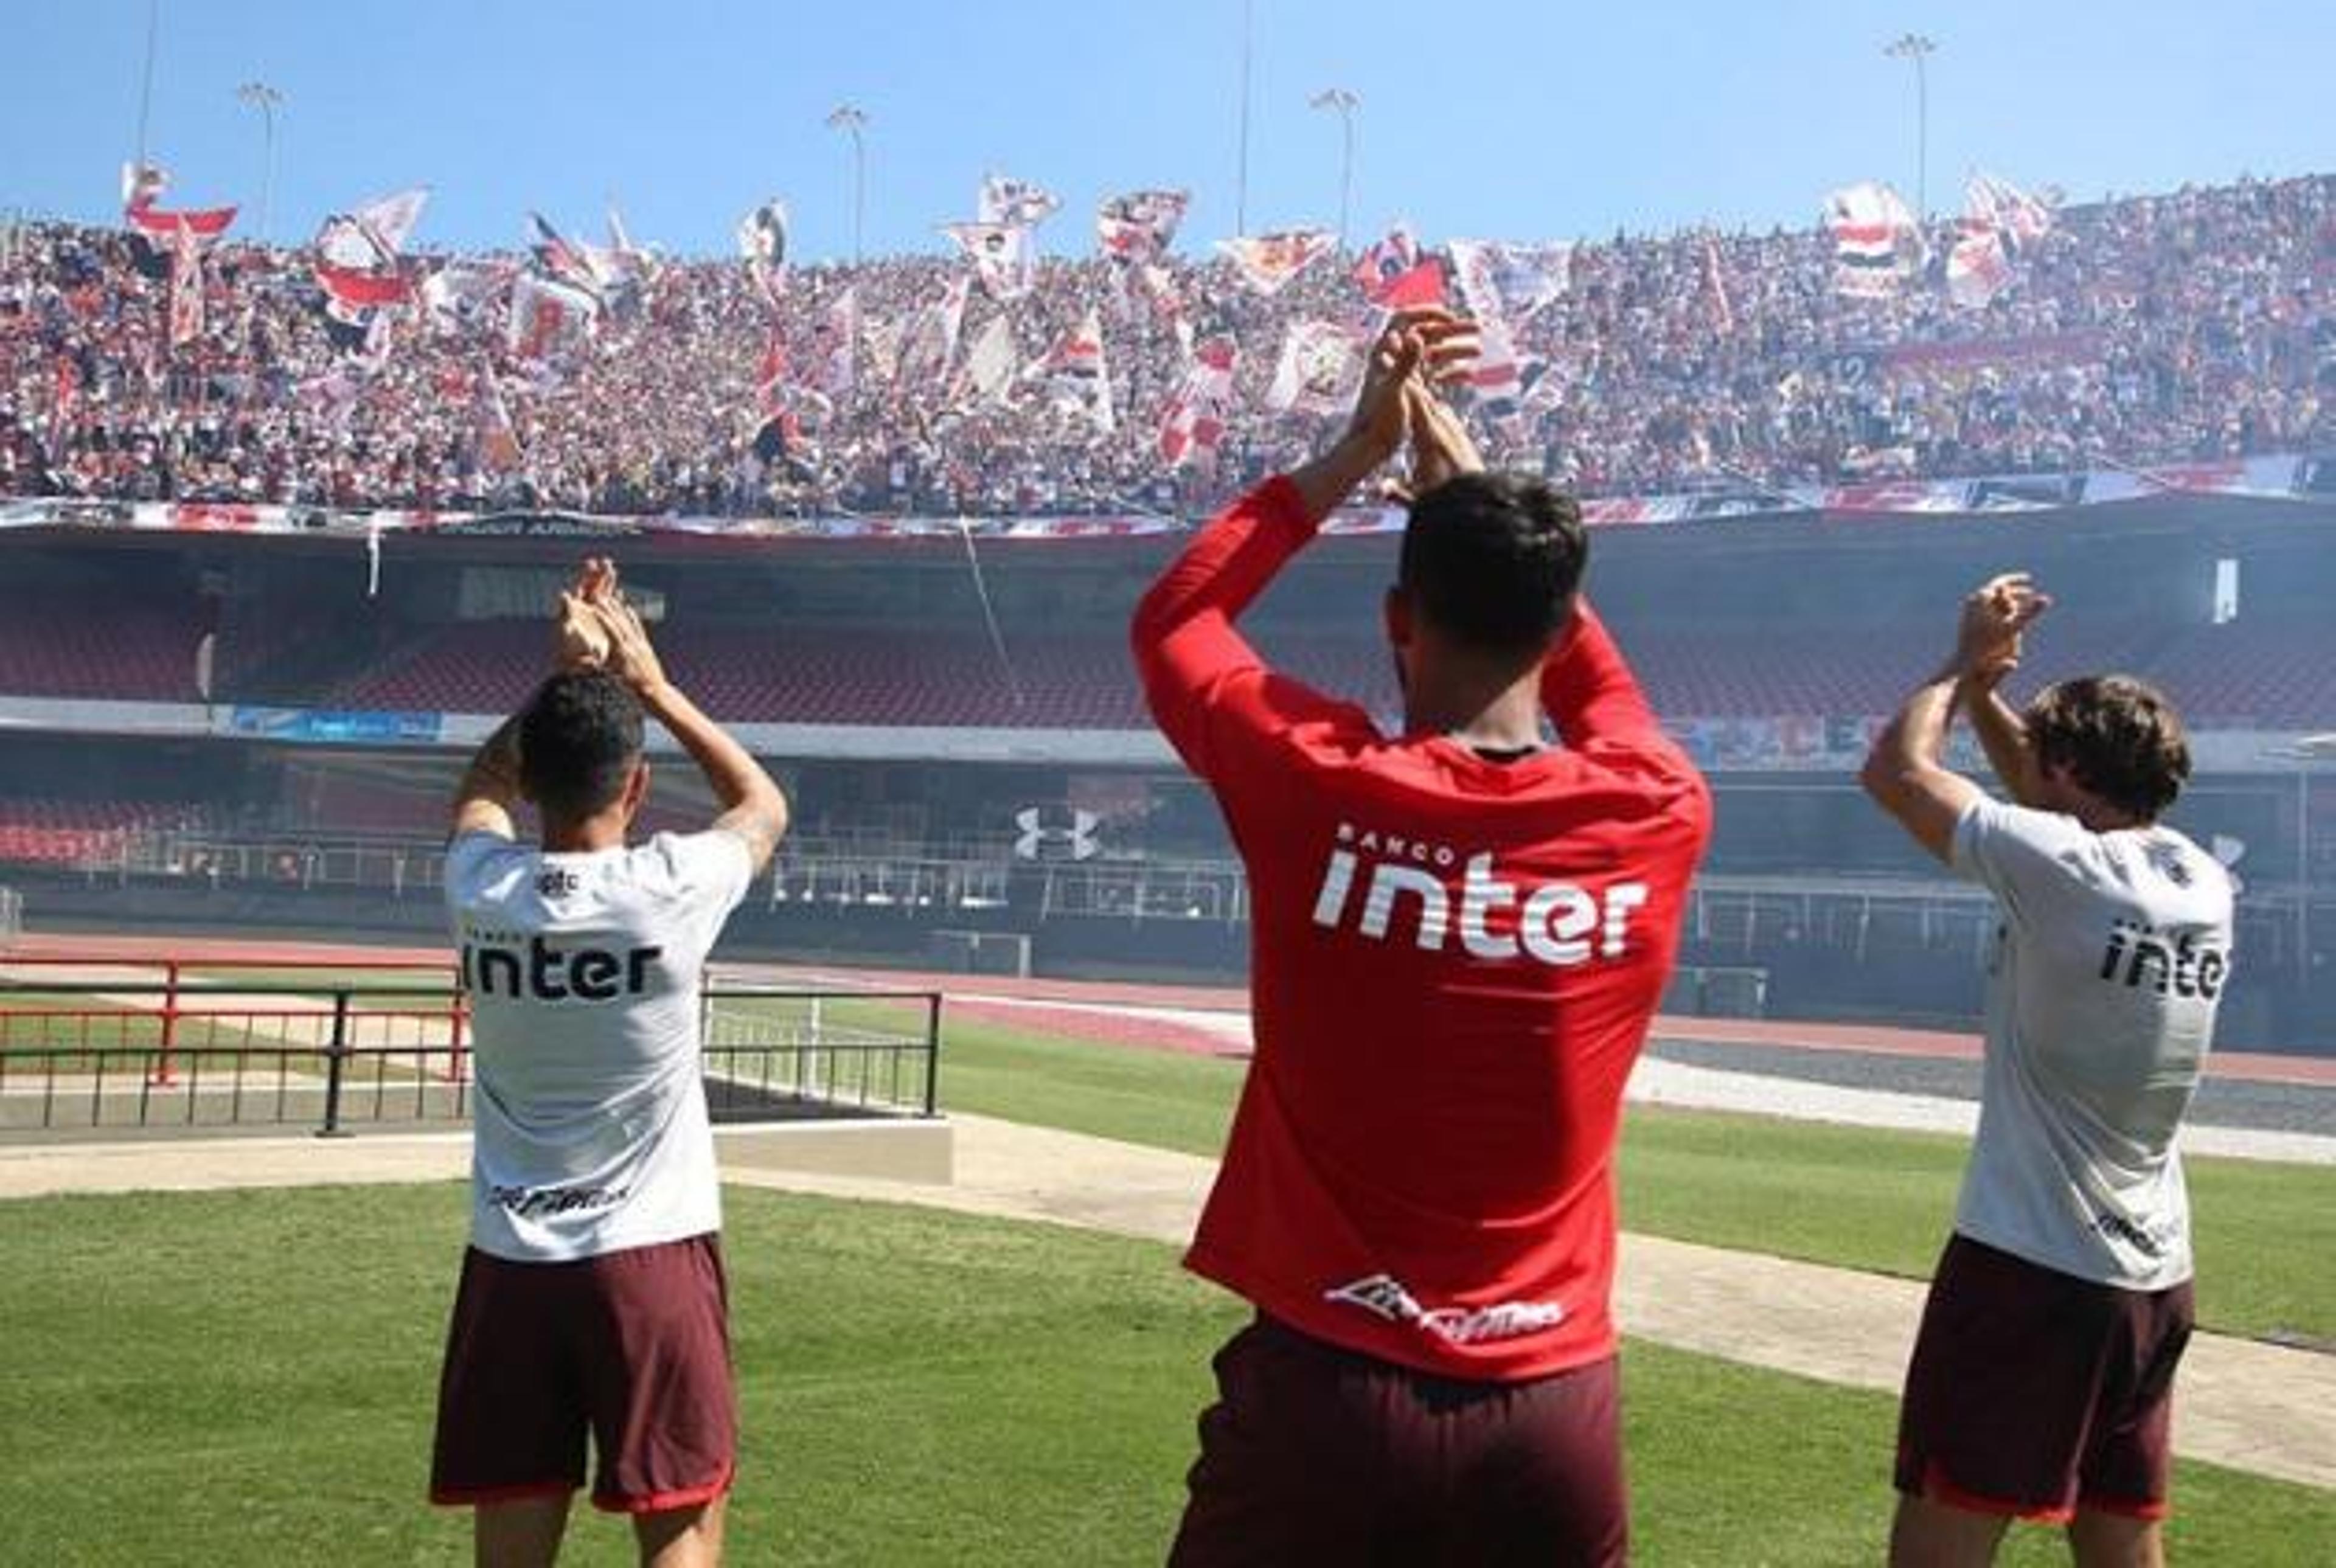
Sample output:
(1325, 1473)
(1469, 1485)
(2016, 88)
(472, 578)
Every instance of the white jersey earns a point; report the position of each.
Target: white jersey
(2114, 949)
(591, 1131)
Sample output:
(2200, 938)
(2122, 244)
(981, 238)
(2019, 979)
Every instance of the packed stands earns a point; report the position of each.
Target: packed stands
(2152, 330)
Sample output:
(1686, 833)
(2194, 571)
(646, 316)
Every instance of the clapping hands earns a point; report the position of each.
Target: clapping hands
(597, 628)
(1995, 617)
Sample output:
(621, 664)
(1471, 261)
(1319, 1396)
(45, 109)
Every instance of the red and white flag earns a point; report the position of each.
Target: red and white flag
(498, 439)
(1395, 276)
(1139, 226)
(1509, 282)
(1267, 262)
(763, 244)
(1876, 243)
(928, 348)
(771, 373)
(1074, 375)
(1978, 268)
(1320, 368)
(1499, 371)
(1001, 254)
(1015, 203)
(2001, 205)
(186, 287)
(1193, 422)
(371, 235)
(142, 185)
(547, 317)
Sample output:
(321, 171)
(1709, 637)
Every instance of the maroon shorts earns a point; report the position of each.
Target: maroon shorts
(632, 1348)
(1314, 1454)
(2033, 1393)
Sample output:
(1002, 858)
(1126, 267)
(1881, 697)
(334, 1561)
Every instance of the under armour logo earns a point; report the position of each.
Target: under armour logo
(1071, 837)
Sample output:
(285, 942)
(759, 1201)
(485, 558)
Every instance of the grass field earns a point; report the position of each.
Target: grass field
(1861, 1198)
(247, 1376)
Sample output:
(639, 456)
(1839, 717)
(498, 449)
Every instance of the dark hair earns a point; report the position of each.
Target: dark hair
(1492, 559)
(579, 738)
(2118, 737)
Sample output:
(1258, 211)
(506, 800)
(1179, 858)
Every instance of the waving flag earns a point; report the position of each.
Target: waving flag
(1715, 289)
(1978, 268)
(458, 295)
(835, 347)
(1015, 203)
(2004, 207)
(548, 316)
(1509, 282)
(1140, 226)
(372, 234)
(355, 291)
(1075, 375)
(142, 185)
(1876, 243)
(1193, 422)
(1395, 276)
(1000, 254)
(1321, 366)
(186, 287)
(1267, 262)
(928, 348)
(991, 362)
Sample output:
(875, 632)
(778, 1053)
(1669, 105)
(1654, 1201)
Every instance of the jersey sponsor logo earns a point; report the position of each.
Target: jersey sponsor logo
(1560, 923)
(500, 965)
(1384, 1296)
(536, 1202)
(2150, 1242)
(2179, 963)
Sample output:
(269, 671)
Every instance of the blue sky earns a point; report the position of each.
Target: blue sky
(1504, 118)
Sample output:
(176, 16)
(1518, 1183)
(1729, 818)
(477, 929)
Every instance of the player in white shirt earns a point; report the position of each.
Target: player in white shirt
(592, 1295)
(2041, 1384)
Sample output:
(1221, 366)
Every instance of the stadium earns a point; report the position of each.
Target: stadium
(282, 525)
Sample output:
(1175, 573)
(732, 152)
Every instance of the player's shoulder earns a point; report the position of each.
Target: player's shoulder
(681, 864)
(479, 864)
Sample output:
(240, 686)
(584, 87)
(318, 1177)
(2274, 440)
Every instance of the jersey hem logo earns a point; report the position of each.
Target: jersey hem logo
(1384, 1296)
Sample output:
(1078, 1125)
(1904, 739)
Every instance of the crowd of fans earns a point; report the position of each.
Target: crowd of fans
(2195, 325)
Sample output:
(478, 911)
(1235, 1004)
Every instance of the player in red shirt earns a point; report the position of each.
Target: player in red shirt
(1459, 935)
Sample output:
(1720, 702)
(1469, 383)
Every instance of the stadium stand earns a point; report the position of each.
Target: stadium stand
(2185, 326)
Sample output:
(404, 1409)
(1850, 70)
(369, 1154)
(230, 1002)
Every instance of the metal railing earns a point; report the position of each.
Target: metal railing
(196, 1051)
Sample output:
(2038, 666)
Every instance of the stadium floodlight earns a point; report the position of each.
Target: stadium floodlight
(1918, 48)
(852, 120)
(259, 96)
(1346, 103)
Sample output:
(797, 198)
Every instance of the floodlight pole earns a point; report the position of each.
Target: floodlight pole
(146, 85)
(266, 100)
(1918, 48)
(854, 122)
(1240, 182)
(1346, 104)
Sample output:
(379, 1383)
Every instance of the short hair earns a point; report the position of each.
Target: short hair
(1493, 561)
(2120, 737)
(579, 738)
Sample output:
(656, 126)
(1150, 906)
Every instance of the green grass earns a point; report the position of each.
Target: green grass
(1856, 1197)
(247, 1376)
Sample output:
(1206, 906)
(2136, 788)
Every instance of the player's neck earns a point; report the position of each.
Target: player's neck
(1482, 709)
(604, 831)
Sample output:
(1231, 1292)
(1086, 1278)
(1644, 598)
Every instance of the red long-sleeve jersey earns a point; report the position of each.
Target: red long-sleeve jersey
(1454, 962)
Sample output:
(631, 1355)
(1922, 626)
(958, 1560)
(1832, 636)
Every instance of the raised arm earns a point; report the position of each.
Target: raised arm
(753, 805)
(2002, 732)
(489, 794)
(1587, 687)
(1906, 772)
(1191, 659)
